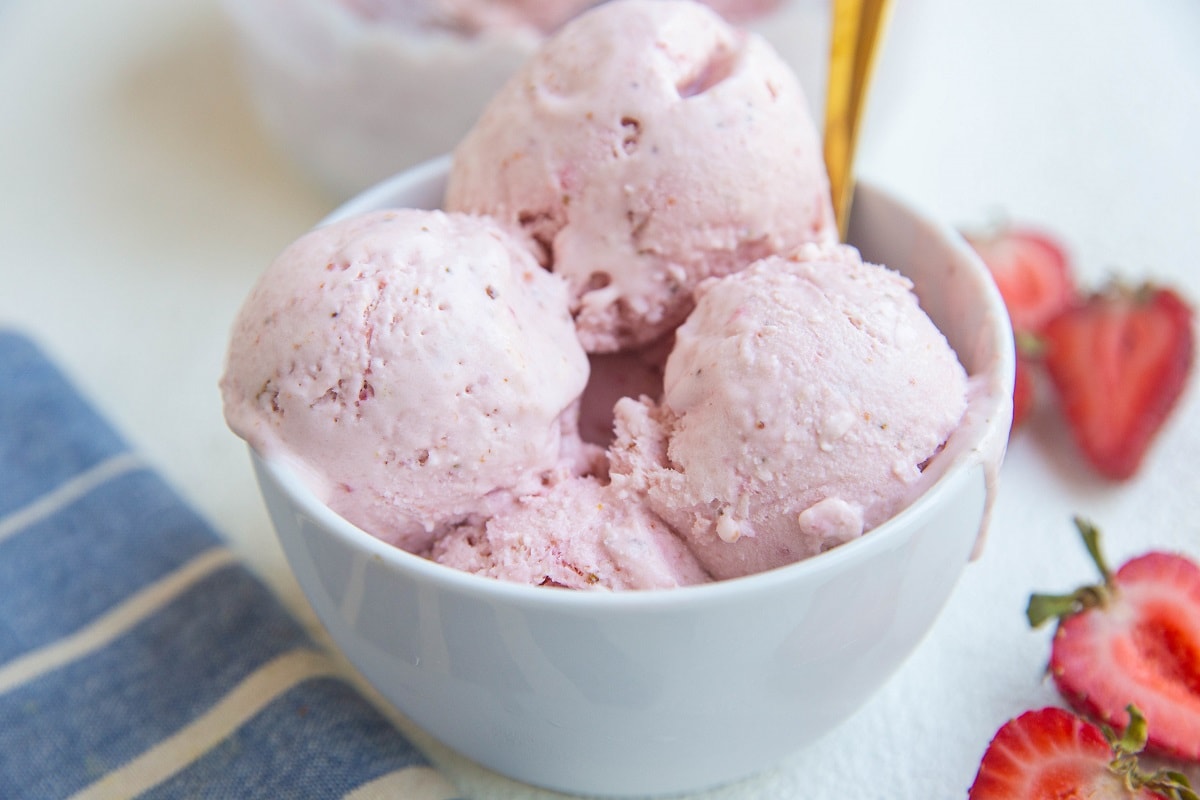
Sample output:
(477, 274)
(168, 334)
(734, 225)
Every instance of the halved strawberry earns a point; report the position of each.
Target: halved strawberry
(1119, 360)
(1051, 754)
(1031, 271)
(1134, 638)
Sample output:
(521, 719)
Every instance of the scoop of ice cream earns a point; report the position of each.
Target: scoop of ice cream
(580, 534)
(419, 367)
(646, 146)
(801, 401)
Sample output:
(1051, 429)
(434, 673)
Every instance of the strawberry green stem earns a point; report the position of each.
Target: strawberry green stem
(1134, 738)
(1168, 783)
(1172, 785)
(1029, 344)
(1091, 540)
(1044, 607)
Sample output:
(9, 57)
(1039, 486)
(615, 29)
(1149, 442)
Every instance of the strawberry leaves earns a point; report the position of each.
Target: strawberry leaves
(1044, 607)
(1169, 783)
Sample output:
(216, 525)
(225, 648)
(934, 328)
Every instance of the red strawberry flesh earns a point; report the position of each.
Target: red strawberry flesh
(1035, 281)
(1031, 272)
(1050, 754)
(1119, 362)
(1142, 647)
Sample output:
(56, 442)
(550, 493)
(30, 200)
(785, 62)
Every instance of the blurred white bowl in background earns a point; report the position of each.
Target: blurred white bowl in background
(351, 101)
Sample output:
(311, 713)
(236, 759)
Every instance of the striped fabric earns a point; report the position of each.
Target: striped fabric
(137, 656)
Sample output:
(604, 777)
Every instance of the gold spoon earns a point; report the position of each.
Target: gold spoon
(858, 27)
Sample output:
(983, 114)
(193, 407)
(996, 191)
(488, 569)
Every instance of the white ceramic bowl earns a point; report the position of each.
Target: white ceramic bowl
(669, 690)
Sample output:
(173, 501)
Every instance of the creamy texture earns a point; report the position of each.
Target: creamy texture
(420, 366)
(764, 394)
(646, 146)
(801, 401)
(580, 534)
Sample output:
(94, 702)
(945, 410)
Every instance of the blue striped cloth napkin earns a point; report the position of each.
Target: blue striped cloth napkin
(138, 657)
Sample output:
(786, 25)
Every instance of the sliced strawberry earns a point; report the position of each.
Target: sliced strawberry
(1034, 278)
(1119, 361)
(1031, 271)
(1051, 754)
(1135, 638)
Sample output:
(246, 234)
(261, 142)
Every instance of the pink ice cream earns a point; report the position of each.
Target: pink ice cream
(646, 146)
(763, 394)
(801, 401)
(419, 367)
(580, 534)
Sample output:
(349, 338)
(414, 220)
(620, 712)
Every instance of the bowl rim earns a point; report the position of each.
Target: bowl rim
(884, 536)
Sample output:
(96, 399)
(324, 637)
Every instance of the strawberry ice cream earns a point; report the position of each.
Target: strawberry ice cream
(638, 254)
(419, 367)
(646, 146)
(801, 401)
(581, 534)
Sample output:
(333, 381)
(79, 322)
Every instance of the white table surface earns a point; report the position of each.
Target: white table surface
(139, 200)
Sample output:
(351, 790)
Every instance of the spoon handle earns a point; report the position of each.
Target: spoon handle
(858, 27)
